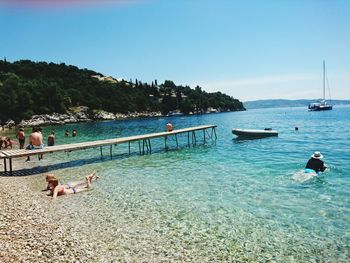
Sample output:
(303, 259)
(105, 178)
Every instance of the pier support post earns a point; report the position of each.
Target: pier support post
(177, 143)
(194, 139)
(145, 143)
(150, 148)
(10, 161)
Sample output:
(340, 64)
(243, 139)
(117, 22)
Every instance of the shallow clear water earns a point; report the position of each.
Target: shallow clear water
(220, 201)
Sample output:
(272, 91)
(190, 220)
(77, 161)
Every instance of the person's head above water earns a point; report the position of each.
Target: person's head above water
(317, 155)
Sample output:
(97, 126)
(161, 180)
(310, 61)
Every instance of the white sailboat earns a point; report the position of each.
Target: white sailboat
(322, 104)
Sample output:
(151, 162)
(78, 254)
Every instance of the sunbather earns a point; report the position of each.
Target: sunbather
(56, 189)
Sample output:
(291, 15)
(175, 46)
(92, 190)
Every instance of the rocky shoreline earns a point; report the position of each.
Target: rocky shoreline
(77, 114)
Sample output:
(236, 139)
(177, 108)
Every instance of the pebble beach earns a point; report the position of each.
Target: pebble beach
(28, 230)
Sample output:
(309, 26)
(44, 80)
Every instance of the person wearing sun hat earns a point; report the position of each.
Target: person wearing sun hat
(315, 163)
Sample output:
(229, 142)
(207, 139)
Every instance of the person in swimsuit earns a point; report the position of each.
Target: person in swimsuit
(35, 142)
(56, 189)
(51, 139)
(74, 183)
(21, 138)
(6, 141)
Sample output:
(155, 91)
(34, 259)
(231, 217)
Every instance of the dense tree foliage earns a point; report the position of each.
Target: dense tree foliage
(29, 88)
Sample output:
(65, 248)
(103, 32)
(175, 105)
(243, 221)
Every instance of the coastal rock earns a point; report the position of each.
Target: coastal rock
(144, 114)
(81, 114)
(9, 124)
(102, 115)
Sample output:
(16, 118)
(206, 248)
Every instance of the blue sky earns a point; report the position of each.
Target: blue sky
(247, 49)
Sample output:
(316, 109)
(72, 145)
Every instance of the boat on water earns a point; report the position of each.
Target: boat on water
(321, 104)
(174, 113)
(254, 134)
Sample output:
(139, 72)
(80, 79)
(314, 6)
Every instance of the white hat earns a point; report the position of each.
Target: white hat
(317, 155)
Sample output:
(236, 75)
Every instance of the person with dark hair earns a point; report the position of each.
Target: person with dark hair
(74, 133)
(51, 139)
(35, 141)
(21, 138)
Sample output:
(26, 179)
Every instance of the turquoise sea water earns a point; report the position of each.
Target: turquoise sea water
(223, 201)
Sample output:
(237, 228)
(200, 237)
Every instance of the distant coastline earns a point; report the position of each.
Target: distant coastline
(282, 103)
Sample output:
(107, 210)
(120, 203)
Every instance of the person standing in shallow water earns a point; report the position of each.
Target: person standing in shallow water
(74, 133)
(35, 141)
(21, 138)
(66, 135)
(51, 139)
(315, 163)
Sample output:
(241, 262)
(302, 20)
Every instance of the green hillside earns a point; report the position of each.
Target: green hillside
(29, 88)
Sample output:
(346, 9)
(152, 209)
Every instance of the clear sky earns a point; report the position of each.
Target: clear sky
(250, 50)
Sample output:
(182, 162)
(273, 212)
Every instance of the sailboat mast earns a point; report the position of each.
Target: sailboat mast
(324, 80)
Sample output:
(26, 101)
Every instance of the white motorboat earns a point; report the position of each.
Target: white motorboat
(244, 133)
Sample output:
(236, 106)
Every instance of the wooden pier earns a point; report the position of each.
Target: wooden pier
(144, 142)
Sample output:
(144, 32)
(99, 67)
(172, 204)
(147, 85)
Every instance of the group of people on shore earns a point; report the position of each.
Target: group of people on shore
(35, 139)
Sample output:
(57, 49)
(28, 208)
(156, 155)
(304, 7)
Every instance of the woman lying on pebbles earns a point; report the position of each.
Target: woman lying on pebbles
(57, 189)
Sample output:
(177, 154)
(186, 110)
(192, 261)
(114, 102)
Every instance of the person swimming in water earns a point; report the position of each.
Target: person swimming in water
(169, 127)
(315, 164)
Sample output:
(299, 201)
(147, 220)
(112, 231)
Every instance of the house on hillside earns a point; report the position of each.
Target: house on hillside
(104, 78)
